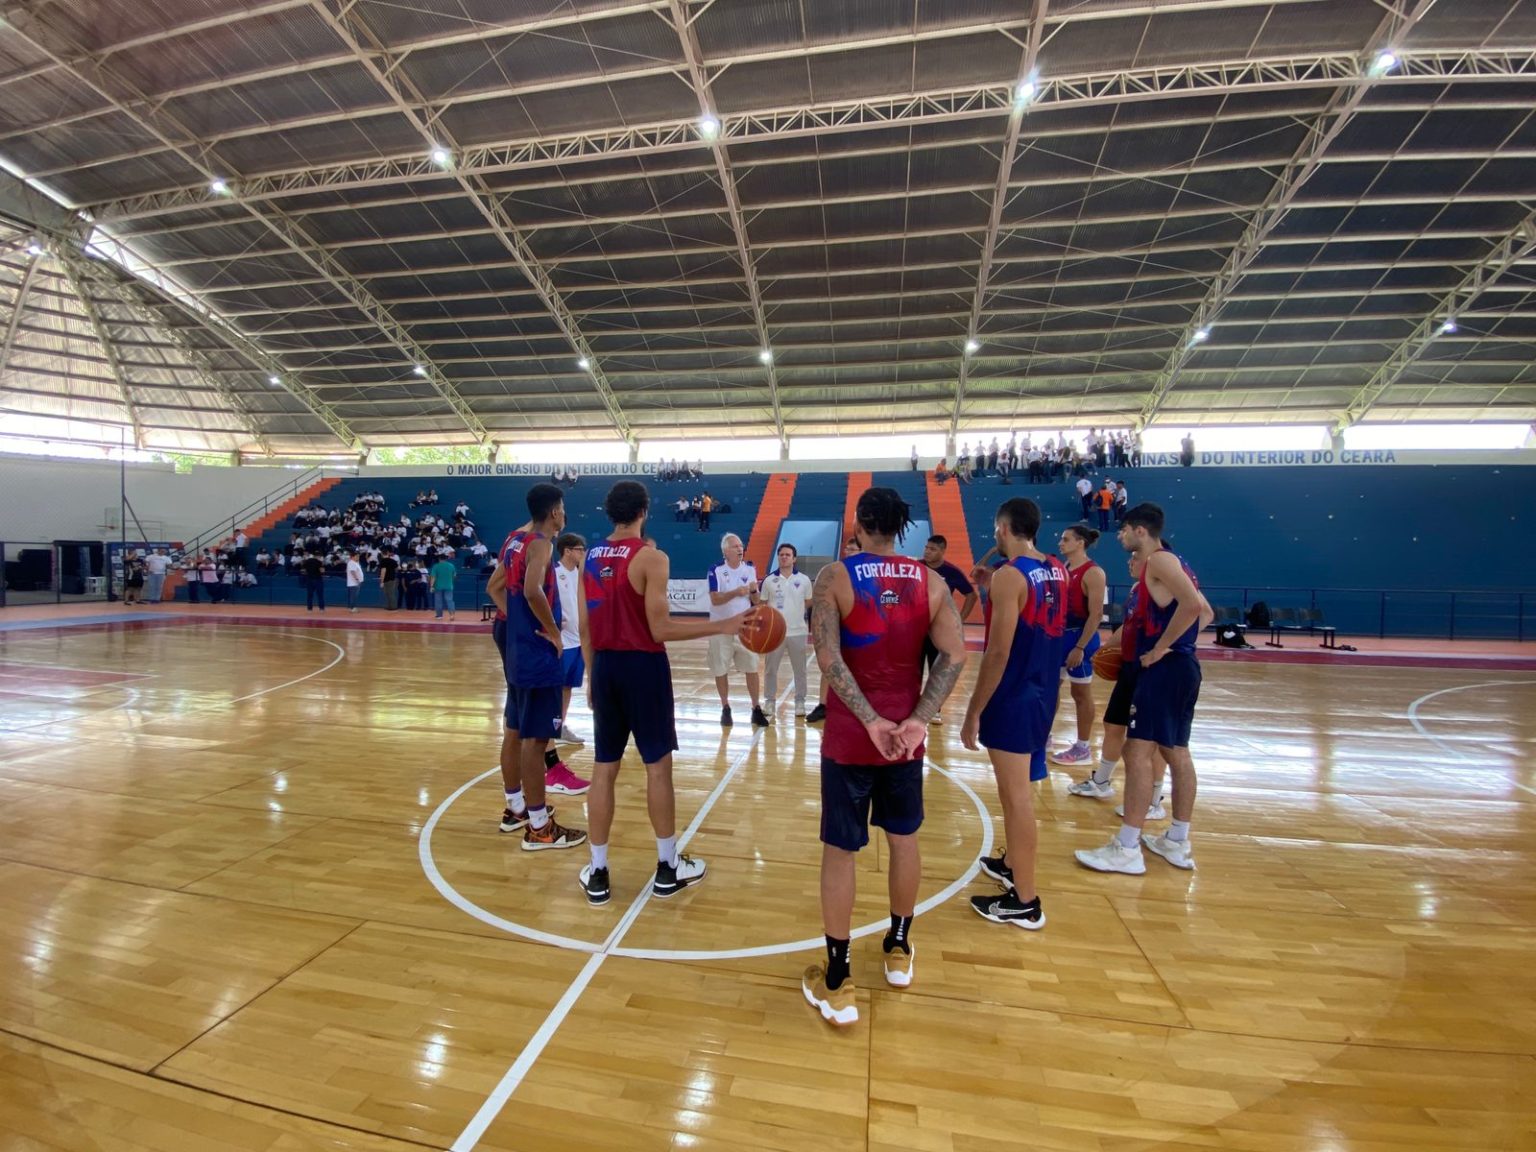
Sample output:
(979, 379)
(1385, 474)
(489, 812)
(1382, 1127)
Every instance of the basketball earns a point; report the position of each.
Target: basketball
(764, 630)
(1106, 662)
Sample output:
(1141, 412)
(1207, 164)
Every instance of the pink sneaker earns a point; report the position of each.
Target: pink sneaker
(563, 781)
(1076, 754)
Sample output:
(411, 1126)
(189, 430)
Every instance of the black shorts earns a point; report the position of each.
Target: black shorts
(1163, 711)
(631, 695)
(1118, 710)
(850, 791)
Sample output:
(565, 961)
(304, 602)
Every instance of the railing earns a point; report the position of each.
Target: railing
(226, 527)
(1431, 613)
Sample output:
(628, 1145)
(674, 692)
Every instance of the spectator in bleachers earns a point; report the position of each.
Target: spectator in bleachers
(1187, 450)
(680, 511)
(461, 510)
(1122, 501)
(156, 565)
(706, 506)
(1035, 458)
(914, 457)
(1104, 500)
(941, 472)
(1136, 449)
(389, 572)
(991, 464)
(417, 587)
(963, 469)
(478, 555)
(1085, 494)
(1004, 468)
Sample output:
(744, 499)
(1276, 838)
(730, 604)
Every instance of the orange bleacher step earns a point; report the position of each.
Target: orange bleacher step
(777, 498)
(946, 514)
(858, 483)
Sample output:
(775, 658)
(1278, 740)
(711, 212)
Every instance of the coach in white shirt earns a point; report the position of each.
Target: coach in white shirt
(571, 559)
(156, 565)
(354, 581)
(732, 591)
(790, 592)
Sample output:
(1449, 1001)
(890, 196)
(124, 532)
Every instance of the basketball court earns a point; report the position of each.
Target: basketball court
(254, 898)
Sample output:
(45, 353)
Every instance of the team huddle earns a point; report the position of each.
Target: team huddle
(877, 620)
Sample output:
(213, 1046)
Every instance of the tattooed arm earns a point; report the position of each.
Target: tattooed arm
(948, 635)
(830, 595)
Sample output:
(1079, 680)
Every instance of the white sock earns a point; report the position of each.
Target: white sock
(599, 854)
(666, 850)
(1178, 830)
(1128, 837)
(1104, 772)
(515, 802)
(538, 816)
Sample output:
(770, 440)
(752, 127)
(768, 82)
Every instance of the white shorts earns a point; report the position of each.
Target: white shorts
(726, 651)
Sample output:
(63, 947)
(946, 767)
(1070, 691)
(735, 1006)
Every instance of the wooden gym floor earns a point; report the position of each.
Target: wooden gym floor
(252, 898)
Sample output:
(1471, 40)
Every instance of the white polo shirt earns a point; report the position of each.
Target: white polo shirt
(568, 584)
(789, 594)
(724, 578)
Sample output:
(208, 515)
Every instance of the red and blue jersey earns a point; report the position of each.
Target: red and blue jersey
(1131, 625)
(1077, 598)
(532, 661)
(882, 645)
(616, 619)
(1153, 620)
(1034, 660)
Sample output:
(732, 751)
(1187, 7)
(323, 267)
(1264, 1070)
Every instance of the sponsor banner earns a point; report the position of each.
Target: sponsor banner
(546, 470)
(688, 596)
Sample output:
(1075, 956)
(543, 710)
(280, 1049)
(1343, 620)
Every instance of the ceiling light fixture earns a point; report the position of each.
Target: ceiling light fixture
(442, 157)
(420, 369)
(275, 381)
(972, 347)
(1385, 61)
(1025, 93)
(1201, 336)
(1448, 326)
(709, 127)
(34, 249)
(584, 364)
(766, 356)
(219, 187)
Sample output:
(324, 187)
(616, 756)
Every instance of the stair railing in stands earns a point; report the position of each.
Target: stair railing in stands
(257, 507)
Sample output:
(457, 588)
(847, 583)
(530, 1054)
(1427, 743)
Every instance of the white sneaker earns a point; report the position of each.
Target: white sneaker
(1092, 789)
(1155, 812)
(1112, 857)
(569, 737)
(1176, 852)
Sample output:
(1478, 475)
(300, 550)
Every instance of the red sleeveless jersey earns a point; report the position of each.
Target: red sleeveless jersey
(1077, 599)
(615, 611)
(882, 645)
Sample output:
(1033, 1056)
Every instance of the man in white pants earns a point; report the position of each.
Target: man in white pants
(790, 592)
(732, 592)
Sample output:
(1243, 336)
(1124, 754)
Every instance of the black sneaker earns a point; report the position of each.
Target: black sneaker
(672, 880)
(1009, 909)
(594, 882)
(511, 822)
(725, 718)
(995, 867)
(759, 717)
(817, 714)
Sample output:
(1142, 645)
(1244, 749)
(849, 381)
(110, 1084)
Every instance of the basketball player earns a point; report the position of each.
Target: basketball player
(1167, 625)
(871, 613)
(1117, 713)
(789, 591)
(572, 552)
(733, 592)
(523, 587)
(1014, 702)
(624, 622)
(1085, 610)
(818, 714)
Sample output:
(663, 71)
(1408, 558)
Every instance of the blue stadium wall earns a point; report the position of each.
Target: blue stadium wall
(1400, 550)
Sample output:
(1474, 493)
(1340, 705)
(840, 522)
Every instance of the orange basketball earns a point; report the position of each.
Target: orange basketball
(1106, 662)
(764, 630)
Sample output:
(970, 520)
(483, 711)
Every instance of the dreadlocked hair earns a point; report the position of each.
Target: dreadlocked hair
(882, 512)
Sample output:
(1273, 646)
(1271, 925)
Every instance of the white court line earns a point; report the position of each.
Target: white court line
(132, 699)
(514, 1075)
(1448, 749)
(341, 655)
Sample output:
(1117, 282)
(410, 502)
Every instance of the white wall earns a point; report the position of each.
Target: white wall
(44, 499)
